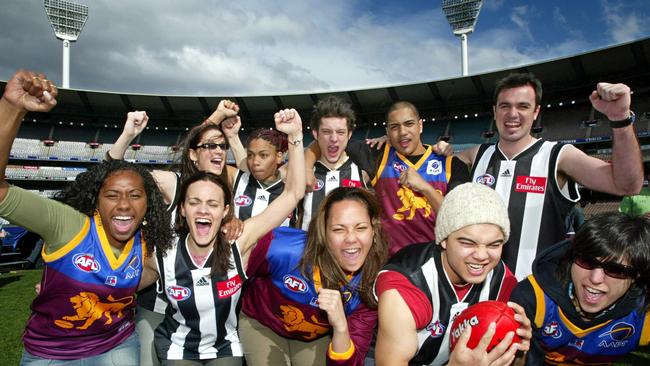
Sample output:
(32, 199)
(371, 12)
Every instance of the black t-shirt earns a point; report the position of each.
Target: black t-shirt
(368, 159)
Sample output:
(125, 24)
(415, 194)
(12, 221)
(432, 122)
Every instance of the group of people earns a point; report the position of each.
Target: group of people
(370, 265)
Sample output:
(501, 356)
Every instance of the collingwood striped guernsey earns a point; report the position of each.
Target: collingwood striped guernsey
(537, 206)
(251, 198)
(347, 175)
(203, 321)
(422, 266)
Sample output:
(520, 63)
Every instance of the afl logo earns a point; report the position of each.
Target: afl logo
(485, 179)
(178, 293)
(399, 167)
(318, 185)
(86, 263)
(243, 200)
(294, 284)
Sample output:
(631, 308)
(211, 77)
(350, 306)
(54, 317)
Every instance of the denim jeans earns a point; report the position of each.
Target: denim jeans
(126, 353)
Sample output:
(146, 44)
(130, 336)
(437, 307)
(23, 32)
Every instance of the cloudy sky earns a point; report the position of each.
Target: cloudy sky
(258, 47)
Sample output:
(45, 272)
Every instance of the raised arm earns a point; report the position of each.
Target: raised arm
(230, 128)
(289, 122)
(26, 91)
(57, 223)
(135, 123)
(624, 175)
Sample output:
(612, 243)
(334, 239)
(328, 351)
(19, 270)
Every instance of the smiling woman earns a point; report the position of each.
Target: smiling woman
(94, 245)
(202, 275)
(311, 300)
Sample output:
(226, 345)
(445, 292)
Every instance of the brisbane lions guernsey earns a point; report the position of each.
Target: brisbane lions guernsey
(421, 266)
(85, 306)
(202, 321)
(347, 175)
(564, 343)
(407, 216)
(251, 198)
(285, 301)
(537, 206)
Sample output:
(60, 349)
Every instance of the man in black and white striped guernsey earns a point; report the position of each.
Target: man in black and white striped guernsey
(538, 179)
(332, 123)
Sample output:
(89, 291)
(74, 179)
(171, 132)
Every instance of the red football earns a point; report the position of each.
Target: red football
(479, 316)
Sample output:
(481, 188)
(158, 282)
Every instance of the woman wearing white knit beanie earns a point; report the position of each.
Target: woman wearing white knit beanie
(425, 286)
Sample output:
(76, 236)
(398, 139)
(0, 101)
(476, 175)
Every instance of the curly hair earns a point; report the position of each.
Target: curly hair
(277, 139)
(317, 252)
(221, 248)
(82, 195)
(190, 141)
(332, 106)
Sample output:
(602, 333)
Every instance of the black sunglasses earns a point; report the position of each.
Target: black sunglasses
(213, 146)
(614, 270)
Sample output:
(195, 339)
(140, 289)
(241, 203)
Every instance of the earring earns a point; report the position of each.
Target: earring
(144, 222)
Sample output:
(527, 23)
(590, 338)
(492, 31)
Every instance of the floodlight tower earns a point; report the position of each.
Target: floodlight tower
(462, 16)
(67, 20)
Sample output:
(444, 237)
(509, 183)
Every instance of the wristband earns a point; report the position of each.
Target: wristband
(624, 122)
(294, 142)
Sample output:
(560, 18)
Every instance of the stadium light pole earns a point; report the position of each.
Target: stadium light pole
(67, 20)
(462, 16)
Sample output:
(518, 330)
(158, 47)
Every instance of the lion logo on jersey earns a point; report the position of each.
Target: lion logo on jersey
(294, 321)
(411, 203)
(90, 309)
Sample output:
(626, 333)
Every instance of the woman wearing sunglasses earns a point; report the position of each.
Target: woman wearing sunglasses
(588, 297)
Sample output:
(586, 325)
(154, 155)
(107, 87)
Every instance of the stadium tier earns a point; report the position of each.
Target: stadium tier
(458, 110)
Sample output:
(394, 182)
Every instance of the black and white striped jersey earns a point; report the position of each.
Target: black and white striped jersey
(201, 322)
(251, 198)
(537, 206)
(347, 175)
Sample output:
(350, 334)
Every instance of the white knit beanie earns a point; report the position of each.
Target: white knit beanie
(470, 204)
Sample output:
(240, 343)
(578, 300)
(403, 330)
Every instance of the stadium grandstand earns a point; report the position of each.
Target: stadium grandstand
(53, 148)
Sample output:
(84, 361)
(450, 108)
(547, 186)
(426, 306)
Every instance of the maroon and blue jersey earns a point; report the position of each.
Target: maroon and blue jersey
(285, 301)
(565, 343)
(85, 305)
(407, 215)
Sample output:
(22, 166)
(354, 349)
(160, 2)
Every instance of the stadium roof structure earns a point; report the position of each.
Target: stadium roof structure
(566, 78)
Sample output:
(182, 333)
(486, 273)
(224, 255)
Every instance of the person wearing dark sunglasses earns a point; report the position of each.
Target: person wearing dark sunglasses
(588, 297)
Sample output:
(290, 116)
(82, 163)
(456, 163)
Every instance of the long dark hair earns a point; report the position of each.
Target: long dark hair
(190, 141)
(614, 237)
(221, 249)
(82, 195)
(317, 252)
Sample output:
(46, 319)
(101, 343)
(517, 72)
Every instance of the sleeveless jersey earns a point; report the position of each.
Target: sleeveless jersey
(528, 186)
(565, 343)
(421, 264)
(280, 297)
(407, 216)
(202, 319)
(85, 306)
(347, 175)
(251, 198)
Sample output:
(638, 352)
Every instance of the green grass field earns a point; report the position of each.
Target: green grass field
(17, 292)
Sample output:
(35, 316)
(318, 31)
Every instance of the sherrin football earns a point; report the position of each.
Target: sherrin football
(479, 316)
